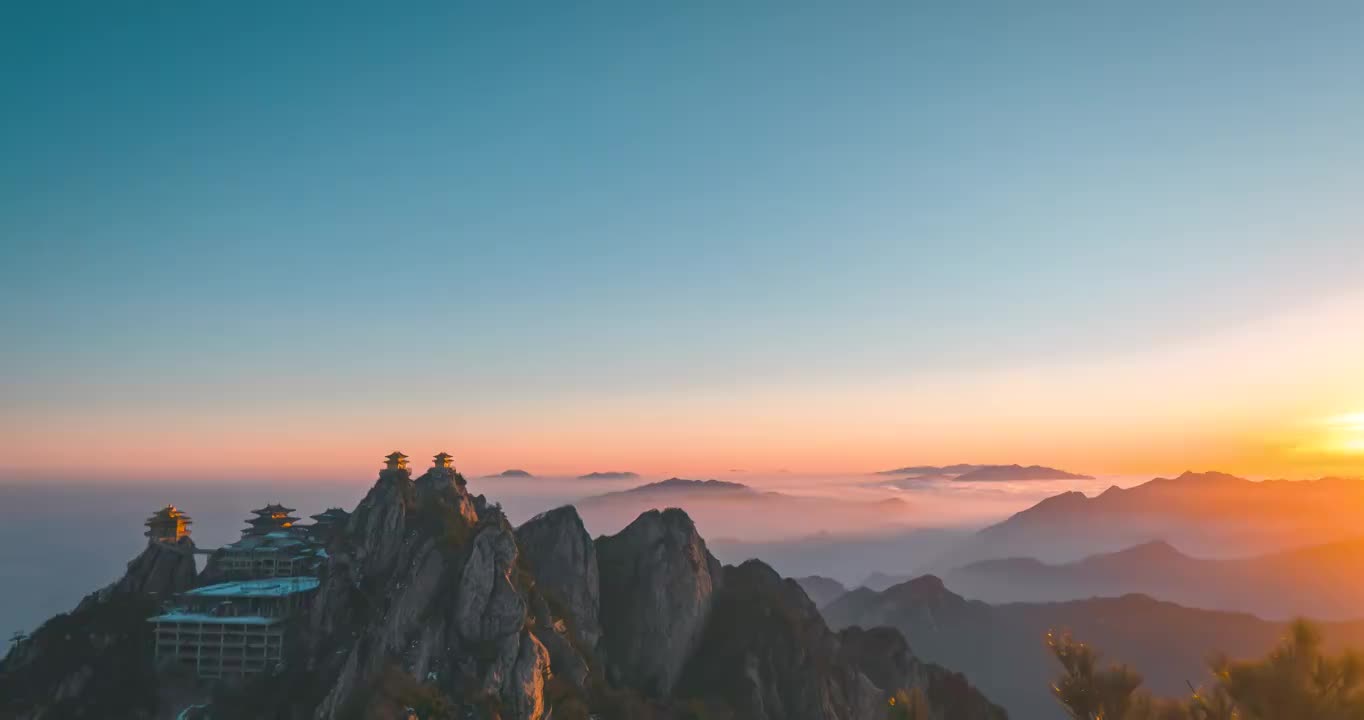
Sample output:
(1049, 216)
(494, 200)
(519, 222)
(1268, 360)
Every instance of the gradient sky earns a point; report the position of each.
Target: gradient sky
(246, 240)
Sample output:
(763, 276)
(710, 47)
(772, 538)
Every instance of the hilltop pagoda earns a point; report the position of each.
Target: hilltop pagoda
(443, 465)
(395, 461)
(168, 525)
(271, 518)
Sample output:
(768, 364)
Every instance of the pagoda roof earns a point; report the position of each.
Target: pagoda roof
(330, 515)
(273, 508)
(267, 520)
(395, 455)
(168, 514)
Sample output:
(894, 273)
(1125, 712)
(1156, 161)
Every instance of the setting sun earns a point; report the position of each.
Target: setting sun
(1345, 434)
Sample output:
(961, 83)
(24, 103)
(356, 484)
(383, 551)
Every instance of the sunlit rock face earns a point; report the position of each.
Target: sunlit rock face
(657, 584)
(423, 584)
(561, 556)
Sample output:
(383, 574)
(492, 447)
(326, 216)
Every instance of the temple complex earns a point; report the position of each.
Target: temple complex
(168, 524)
(272, 545)
(232, 629)
(279, 553)
(271, 518)
(236, 626)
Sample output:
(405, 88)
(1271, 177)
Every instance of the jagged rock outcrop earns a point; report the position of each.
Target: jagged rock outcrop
(560, 554)
(423, 584)
(430, 599)
(657, 584)
(770, 655)
(444, 482)
(883, 655)
(162, 569)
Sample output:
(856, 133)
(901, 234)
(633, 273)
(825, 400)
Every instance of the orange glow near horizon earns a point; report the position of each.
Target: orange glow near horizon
(1277, 399)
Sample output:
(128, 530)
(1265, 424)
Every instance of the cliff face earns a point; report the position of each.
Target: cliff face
(770, 655)
(163, 569)
(426, 583)
(657, 582)
(561, 555)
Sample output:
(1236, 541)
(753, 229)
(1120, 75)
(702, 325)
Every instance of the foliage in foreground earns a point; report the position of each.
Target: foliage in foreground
(1297, 680)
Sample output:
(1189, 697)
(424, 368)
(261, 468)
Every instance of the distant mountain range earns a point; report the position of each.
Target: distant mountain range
(513, 473)
(748, 514)
(985, 473)
(1206, 514)
(680, 486)
(1001, 647)
(610, 475)
(1321, 581)
(848, 556)
(1015, 473)
(932, 470)
(821, 590)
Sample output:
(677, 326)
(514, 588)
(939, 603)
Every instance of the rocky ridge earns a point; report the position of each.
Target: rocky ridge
(431, 600)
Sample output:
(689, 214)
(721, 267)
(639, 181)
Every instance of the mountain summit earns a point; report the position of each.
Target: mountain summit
(429, 599)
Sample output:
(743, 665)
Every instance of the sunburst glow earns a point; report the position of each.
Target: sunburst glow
(1345, 433)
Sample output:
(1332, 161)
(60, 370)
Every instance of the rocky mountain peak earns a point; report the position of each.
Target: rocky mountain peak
(560, 554)
(657, 584)
(425, 585)
(430, 599)
(162, 569)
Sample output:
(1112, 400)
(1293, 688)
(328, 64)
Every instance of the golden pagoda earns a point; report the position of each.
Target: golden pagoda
(271, 518)
(395, 461)
(445, 461)
(168, 524)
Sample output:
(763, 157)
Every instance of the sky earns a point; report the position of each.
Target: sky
(243, 240)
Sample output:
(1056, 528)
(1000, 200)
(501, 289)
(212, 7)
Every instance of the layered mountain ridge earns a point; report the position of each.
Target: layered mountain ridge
(1000, 646)
(1318, 581)
(431, 600)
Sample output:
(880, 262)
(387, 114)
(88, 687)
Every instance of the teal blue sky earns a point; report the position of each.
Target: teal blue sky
(219, 209)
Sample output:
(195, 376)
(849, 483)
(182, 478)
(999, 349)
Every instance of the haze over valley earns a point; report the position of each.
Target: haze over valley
(682, 361)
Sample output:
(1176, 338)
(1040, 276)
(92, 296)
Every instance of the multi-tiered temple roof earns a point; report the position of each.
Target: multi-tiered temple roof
(327, 525)
(168, 524)
(269, 519)
(332, 516)
(395, 461)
